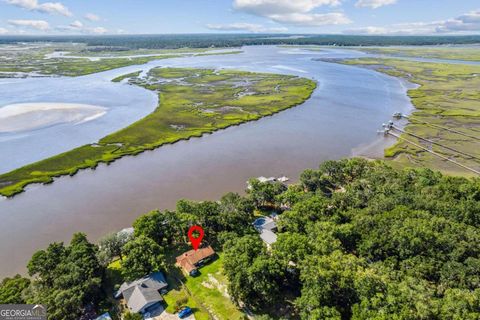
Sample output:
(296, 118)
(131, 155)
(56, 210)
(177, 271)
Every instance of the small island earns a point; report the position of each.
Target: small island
(192, 102)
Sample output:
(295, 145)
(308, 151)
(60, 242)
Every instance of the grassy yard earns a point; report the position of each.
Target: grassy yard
(206, 294)
(113, 278)
(448, 96)
(192, 102)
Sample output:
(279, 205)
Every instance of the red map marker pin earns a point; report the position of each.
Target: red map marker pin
(195, 241)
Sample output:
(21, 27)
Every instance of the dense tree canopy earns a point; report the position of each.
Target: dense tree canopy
(111, 246)
(361, 240)
(11, 290)
(66, 278)
(162, 227)
(142, 257)
(124, 42)
(356, 239)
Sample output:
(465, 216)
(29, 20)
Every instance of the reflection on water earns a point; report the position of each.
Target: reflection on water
(344, 113)
(124, 104)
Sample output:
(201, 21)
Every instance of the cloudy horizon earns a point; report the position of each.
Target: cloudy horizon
(361, 17)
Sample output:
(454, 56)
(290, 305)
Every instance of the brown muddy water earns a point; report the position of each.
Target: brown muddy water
(340, 120)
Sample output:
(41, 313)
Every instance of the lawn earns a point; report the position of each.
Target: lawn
(113, 278)
(447, 100)
(206, 294)
(192, 102)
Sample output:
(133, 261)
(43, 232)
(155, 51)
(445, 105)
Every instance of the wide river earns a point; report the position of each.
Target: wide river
(340, 120)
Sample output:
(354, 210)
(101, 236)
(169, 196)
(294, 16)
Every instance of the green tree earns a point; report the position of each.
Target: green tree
(385, 298)
(292, 247)
(264, 193)
(329, 281)
(313, 180)
(304, 213)
(111, 246)
(67, 279)
(162, 227)
(11, 290)
(132, 316)
(460, 304)
(142, 257)
(235, 213)
(205, 214)
(254, 276)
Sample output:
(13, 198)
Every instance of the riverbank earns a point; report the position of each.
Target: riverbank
(193, 102)
(447, 113)
(342, 114)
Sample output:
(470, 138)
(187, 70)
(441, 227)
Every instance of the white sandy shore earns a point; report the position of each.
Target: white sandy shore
(31, 116)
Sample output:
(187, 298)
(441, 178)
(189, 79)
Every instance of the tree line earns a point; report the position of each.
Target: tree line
(237, 40)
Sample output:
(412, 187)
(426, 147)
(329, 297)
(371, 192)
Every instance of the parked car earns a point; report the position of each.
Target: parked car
(185, 312)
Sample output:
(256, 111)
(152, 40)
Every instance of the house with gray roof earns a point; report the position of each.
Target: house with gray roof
(268, 237)
(143, 295)
(266, 226)
(105, 316)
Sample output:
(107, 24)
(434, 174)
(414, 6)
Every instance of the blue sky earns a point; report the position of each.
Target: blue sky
(223, 16)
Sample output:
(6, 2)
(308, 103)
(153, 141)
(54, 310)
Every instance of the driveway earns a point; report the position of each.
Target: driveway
(161, 314)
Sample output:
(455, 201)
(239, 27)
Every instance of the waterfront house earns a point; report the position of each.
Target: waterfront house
(191, 260)
(266, 226)
(143, 295)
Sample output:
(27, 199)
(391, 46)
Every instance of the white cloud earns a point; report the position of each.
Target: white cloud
(295, 12)
(312, 19)
(35, 24)
(374, 4)
(92, 17)
(79, 27)
(367, 31)
(249, 27)
(76, 24)
(469, 22)
(46, 7)
(26, 4)
(267, 7)
(471, 17)
(3, 31)
(465, 24)
(98, 30)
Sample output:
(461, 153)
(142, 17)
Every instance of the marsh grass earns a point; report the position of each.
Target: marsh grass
(447, 53)
(193, 102)
(80, 62)
(448, 96)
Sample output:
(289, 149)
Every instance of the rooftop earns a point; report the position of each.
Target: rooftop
(139, 297)
(155, 281)
(189, 259)
(268, 237)
(264, 223)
